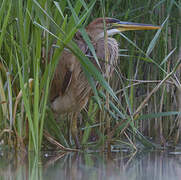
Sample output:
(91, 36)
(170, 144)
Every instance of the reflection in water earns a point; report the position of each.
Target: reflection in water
(84, 166)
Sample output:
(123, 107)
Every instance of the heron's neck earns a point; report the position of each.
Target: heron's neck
(110, 32)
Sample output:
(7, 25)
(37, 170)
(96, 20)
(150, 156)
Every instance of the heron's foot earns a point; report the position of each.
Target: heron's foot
(74, 130)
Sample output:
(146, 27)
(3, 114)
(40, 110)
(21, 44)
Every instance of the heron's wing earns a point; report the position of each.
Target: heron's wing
(65, 69)
(66, 81)
(62, 76)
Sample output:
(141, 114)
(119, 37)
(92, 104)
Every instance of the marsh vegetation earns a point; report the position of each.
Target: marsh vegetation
(144, 94)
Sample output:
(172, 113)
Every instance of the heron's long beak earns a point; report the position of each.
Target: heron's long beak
(118, 26)
(128, 26)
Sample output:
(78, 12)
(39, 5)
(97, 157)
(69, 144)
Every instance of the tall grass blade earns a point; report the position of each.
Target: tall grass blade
(167, 57)
(10, 100)
(3, 102)
(155, 39)
(5, 20)
(157, 115)
(59, 8)
(27, 107)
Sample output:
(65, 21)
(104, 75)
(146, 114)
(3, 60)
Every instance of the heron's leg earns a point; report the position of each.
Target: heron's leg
(74, 129)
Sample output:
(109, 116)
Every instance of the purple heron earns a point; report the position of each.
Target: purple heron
(70, 90)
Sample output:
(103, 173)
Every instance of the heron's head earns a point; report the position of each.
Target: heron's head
(114, 26)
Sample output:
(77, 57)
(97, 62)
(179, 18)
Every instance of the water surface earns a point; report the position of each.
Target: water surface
(162, 165)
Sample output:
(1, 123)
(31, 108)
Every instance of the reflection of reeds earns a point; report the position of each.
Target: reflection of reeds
(146, 78)
(13, 165)
(122, 165)
(117, 166)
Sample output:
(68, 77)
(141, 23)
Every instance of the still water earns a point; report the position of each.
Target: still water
(89, 166)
